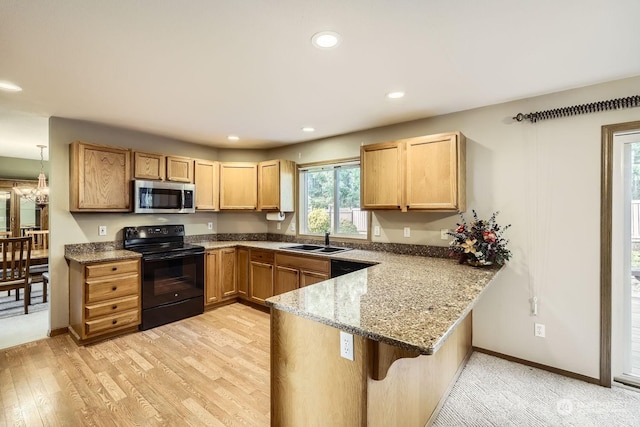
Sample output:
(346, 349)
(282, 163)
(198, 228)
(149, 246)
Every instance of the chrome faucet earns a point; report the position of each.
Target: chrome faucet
(326, 238)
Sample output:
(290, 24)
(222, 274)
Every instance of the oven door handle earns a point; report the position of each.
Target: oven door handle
(164, 257)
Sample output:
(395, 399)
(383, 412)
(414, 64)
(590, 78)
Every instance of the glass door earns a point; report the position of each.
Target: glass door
(632, 290)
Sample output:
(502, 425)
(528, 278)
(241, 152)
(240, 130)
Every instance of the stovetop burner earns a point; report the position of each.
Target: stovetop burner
(153, 239)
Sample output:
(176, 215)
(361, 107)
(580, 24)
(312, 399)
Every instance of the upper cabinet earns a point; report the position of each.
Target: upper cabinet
(425, 173)
(276, 182)
(99, 178)
(154, 166)
(207, 175)
(238, 185)
(179, 169)
(148, 165)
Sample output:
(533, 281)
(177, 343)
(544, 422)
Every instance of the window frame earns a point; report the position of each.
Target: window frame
(301, 213)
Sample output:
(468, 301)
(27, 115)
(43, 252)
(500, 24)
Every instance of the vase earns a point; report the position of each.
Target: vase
(481, 263)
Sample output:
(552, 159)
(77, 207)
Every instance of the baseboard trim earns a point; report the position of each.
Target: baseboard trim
(55, 332)
(540, 366)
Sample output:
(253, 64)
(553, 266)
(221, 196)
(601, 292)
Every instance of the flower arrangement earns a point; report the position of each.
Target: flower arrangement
(480, 243)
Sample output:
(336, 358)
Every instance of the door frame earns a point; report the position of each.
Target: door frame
(606, 224)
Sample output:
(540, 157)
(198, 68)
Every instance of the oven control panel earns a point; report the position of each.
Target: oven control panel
(153, 231)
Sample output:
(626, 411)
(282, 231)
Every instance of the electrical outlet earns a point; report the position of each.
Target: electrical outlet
(346, 345)
(376, 230)
(407, 232)
(293, 228)
(539, 330)
(210, 225)
(278, 226)
(102, 230)
(443, 233)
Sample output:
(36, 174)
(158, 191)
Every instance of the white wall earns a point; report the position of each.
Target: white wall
(544, 178)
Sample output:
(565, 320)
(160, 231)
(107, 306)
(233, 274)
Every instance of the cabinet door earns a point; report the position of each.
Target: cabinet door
(148, 165)
(381, 181)
(207, 189)
(310, 277)
(179, 169)
(242, 276)
(287, 279)
(261, 286)
(435, 173)
(212, 277)
(238, 186)
(228, 285)
(100, 178)
(269, 185)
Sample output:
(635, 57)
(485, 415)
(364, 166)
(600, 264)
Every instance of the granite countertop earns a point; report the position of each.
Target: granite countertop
(408, 301)
(412, 302)
(101, 256)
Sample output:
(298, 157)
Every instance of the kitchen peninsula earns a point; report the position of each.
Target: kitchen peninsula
(411, 320)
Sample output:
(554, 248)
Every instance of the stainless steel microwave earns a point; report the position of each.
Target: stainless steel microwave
(163, 197)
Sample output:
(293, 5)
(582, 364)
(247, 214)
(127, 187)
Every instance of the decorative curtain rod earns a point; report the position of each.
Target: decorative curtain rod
(612, 104)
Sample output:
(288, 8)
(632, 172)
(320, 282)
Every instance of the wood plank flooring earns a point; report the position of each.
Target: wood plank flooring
(212, 369)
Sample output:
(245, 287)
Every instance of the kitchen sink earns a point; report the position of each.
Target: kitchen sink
(317, 248)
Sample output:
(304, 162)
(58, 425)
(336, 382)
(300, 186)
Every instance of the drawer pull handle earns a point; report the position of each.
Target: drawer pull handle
(114, 288)
(114, 322)
(114, 307)
(114, 268)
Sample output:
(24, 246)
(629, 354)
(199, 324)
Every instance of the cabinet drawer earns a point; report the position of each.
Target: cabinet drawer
(112, 307)
(102, 290)
(111, 268)
(112, 323)
(303, 263)
(262, 256)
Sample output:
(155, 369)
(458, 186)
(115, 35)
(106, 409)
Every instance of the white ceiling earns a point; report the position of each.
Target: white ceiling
(203, 69)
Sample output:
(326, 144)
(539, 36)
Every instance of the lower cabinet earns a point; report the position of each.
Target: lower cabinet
(260, 275)
(242, 272)
(104, 298)
(293, 272)
(220, 275)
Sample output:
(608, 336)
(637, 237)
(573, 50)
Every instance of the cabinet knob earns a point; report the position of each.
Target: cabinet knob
(114, 307)
(114, 288)
(114, 268)
(113, 322)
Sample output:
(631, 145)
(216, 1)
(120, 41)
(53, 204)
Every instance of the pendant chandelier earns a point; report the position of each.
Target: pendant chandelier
(40, 194)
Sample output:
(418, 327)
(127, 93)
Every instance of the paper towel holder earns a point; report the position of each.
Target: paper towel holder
(275, 216)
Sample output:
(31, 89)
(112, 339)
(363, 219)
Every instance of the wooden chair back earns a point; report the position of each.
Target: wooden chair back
(14, 272)
(5, 234)
(40, 238)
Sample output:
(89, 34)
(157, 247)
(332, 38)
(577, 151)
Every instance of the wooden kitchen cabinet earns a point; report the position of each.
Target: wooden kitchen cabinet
(261, 272)
(207, 174)
(276, 182)
(99, 178)
(426, 173)
(238, 186)
(220, 275)
(293, 272)
(179, 169)
(242, 272)
(149, 166)
(104, 299)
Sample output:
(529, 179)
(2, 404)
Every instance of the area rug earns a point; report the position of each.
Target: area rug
(9, 307)
(495, 392)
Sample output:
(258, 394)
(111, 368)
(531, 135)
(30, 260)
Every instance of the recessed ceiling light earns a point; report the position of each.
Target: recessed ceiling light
(9, 87)
(233, 138)
(308, 129)
(325, 39)
(395, 95)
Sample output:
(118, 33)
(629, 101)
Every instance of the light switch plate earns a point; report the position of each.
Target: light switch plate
(102, 230)
(376, 230)
(407, 232)
(443, 233)
(210, 225)
(278, 226)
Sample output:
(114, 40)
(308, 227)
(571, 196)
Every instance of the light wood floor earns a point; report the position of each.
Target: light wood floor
(211, 369)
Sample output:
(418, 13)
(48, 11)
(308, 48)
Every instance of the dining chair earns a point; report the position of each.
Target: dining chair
(4, 234)
(40, 238)
(16, 256)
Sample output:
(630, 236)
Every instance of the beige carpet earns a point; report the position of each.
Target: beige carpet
(495, 392)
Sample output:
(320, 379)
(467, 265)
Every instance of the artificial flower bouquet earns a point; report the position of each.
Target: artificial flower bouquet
(481, 242)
